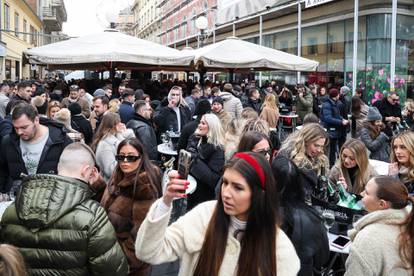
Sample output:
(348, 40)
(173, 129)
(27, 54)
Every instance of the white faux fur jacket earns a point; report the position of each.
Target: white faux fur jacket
(374, 249)
(183, 239)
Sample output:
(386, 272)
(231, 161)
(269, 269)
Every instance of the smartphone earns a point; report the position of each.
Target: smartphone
(184, 163)
(341, 242)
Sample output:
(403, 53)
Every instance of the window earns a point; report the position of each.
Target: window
(24, 30)
(16, 24)
(6, 17)
(32, 35)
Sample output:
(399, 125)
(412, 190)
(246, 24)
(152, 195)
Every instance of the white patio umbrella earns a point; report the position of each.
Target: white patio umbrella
(234, 53)
(108, 49)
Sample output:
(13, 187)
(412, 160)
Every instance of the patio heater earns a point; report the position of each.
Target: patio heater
(201, 24)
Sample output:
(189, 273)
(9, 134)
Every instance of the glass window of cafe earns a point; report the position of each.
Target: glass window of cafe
(331, 45)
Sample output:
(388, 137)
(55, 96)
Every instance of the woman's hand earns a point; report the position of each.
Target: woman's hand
(120, 127)
(175, 188)
(393, 169)
(341, 179)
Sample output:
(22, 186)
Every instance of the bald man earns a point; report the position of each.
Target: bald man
(58, 227)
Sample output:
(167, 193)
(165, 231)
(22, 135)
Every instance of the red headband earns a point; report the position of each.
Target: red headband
(252, 162)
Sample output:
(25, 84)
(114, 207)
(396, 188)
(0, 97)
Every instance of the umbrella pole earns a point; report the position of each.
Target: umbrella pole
(231, 75)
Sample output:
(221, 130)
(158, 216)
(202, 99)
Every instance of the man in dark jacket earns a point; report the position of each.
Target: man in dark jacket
(175, 115)
(33, 147)
(56, 225)
(24, 93)
(254, 99)
(332, 120)
(390, 110)
(126, 110)
(143, 129)
(80, 123)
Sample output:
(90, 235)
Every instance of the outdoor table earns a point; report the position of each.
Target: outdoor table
(337, 253)
(292, 116)
(166, 149)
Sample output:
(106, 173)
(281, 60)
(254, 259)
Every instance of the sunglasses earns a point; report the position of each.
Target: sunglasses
(127, 158)
(265, 152)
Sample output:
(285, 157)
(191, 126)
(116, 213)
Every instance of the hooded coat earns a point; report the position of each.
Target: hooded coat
(60, 231)
(232, 105)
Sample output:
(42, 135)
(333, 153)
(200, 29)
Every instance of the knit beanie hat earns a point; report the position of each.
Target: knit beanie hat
(99, 92)
(63, 117)
(75, 109)
(202, 108)
(373, 114)
(218, 100)
(333, 92)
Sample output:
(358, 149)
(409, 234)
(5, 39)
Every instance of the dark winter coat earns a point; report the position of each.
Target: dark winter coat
(388, 110)
(126, 111)
(166, 118)
(255, 104)
(379, 147)
(6, 126)
(81, 124)
(306, 231)
(206, 168)
(186, 133)
(11, 161)
(127, 204)
(331, 118)
(144, 132)
(60, 230)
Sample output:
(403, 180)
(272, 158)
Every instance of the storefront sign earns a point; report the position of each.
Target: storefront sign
(311, 3)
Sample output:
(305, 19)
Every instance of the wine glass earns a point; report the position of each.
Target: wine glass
(328, 218)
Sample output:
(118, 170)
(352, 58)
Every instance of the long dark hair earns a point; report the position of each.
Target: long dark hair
(395, 192)
(250, 139)
(145, 165)
(373, 130)
(258, 244)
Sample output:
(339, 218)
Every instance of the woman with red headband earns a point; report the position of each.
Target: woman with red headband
(228, 236)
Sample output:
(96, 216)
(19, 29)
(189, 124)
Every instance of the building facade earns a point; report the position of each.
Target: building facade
(147, 19)
(20, 28)
(326, 36)
(125, 21)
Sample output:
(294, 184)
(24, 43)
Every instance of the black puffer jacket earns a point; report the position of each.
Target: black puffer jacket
(166, 118)
(81, 124)
(60, 231)
(305, 230)
(145, 133)
(12, 164)
(206, 168)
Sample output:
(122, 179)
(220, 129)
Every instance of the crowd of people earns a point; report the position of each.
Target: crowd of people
(82, 190)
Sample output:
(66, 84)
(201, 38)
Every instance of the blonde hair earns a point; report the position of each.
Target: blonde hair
(270, 101)
(298, 143)
(360, 153)
(113, 105)
(407, 138)
(11, 261)
(215, 134)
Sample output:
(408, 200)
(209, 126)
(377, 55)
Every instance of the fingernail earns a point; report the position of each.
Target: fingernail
(183, 196)
(187, 182)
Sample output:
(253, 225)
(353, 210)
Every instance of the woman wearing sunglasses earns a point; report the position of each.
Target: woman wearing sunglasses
(238, 234)
(134, 186)
(256, 142)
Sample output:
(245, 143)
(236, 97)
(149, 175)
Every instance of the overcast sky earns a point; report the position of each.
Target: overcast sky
(88, 16)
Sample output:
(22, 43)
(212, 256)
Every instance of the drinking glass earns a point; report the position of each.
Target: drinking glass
(328, 218)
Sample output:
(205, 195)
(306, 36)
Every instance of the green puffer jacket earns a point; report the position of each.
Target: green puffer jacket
(60, 230)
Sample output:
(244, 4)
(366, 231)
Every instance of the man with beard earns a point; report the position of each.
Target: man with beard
(74, 97)
(34, 147)
(142, 125)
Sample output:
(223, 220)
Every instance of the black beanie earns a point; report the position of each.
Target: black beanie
(75, 109)
(218, 100)
(202, 108)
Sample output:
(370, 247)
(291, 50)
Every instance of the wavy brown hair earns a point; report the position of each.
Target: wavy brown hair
(107, 126)
(258, 244)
